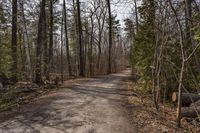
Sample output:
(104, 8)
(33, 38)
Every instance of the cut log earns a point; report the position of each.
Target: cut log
(187, 98)
(197, 103)
(26, 87)
(190, 112)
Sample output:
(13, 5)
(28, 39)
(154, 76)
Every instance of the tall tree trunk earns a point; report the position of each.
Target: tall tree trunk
(26, 43)
(76, 50)
(86, 45)
(14, 41)
(136, 16)
(45, 46)
(81, 71)
(21, 47)
(182, 66)
(155, 75)
(189, 33)
(99, 52)
(99, 43)
(110, 38)
(61, 60)
(50, 36)
(40, 43)
(66, 39)
(91, 46)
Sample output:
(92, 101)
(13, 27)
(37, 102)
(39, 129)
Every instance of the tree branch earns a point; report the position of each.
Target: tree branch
(193, 52)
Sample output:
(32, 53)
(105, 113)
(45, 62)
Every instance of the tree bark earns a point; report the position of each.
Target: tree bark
(61, 59)
(197, 103)
(81, 70)
(66, 39)
(187, 98)
(14, 42)
(157, 55)
(26, 43)
(182, 66)
(50, 36)
(45, 46)
(191, 112)
(40, 42)
(91, 46)
(76, 51)
(110, 38)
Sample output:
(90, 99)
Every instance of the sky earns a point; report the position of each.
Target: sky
(122, 8)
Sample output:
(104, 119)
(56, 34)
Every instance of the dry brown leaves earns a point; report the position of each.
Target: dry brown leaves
(148, 120)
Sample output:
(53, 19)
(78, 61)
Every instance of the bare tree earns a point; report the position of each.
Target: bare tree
(91, 44)
(40, 42)
(189, 33)
(110, 38)
(26, 42)
(61, 49)
(66, 39)
(50, 36)
(183, 64)
(100, 11)
(14, 41)
(81, 71)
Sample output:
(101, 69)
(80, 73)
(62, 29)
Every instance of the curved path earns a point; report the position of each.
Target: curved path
(93, 105)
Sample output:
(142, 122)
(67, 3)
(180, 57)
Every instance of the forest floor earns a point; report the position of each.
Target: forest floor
(104, 104)
(146, 118)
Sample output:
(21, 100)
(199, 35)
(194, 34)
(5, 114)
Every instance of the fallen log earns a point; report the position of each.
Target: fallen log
(187, 98)
(26, 87)
(197, 103)
(190, 112)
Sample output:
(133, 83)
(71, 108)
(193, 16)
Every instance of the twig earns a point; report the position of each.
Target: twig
(193, 52)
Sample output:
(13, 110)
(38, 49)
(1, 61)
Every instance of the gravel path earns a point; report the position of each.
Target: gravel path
(94, 105)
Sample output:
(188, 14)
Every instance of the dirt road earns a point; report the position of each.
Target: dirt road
(95, 105)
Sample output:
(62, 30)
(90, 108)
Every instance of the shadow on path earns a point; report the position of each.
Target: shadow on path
(92, 105)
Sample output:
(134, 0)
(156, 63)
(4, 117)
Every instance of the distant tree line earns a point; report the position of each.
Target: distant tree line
(47, 38)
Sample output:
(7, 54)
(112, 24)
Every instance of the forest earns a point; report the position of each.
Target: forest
(138, 53)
